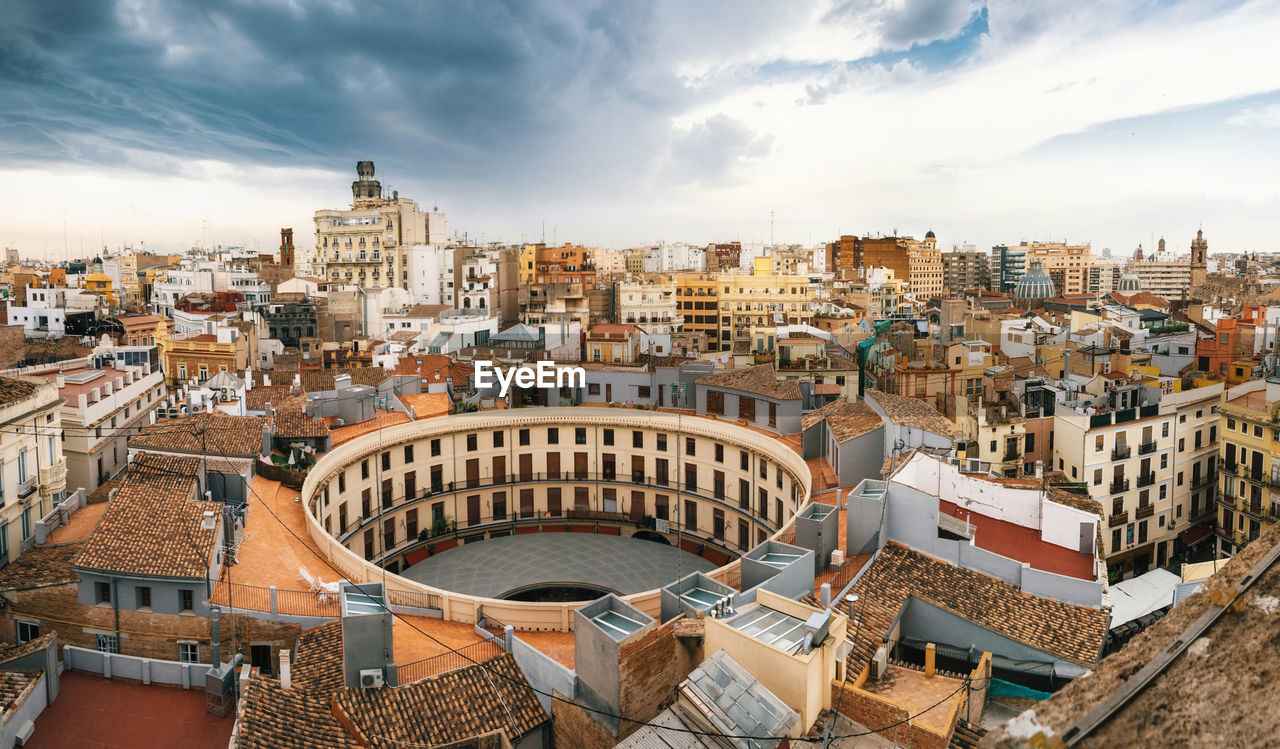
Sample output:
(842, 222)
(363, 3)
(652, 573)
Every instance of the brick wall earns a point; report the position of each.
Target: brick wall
(571, 726)
(649, 669)
(57, 609)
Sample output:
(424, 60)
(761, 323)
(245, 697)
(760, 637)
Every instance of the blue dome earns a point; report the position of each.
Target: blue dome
(1129, 282)
(1035, 284)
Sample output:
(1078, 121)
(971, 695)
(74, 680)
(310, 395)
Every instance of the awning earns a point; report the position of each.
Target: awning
(1195, 534)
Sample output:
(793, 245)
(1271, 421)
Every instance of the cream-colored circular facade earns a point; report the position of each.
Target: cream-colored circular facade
(384, 501)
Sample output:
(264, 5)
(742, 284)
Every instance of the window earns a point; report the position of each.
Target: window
(103, 592)
(1031, 443)
(746, 408)
(107, 644)
(1181, 444)
(715, 402)
(691, 478)
(364, 469)
(1097, 443)
(637, 439)
(690, 445)
(593, 388)
(27, 632)
(553, 436)
(188, 652)
(1097, 477)
(1164, 460)
(471, 442)
(408, 454)
(144, 596)
(608, 436)
(523, 437)
(386, 461)
(186, 599)
(662, 443)
(435, 447)
(580, 435)
(719, 453)
(1115, 539)
(642, 391)
(744, 460)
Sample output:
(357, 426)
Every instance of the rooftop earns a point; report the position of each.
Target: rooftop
(291, 424)
(214, 433)
(1074, 633)
(40, 566)
(153, 525)
(1023, 544)
(13, 390)
(915, 413)
(845, 420)
(760, 380)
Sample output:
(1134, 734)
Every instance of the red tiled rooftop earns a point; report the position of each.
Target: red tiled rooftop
(1023, 544)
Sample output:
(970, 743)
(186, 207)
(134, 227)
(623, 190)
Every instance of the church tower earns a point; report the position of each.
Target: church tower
(366, 192)
(1199, 259)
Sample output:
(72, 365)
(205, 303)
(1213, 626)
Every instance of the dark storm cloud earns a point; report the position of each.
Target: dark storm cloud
(450, 88)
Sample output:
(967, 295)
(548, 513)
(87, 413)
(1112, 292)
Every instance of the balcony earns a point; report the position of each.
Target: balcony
(1119, 519)
(1146, 479)
(55, 475)
(1255, 510)
(1145, 511)
(1119, 485)
(1121, 452)
(1146, 448)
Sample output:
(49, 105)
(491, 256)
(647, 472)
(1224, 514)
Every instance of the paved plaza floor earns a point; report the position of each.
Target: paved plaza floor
(497, 566)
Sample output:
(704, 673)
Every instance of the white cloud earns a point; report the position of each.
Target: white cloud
(1268, 116)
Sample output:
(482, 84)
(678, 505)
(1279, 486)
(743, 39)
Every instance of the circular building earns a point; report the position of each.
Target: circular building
(1129, 283)
(522, 512)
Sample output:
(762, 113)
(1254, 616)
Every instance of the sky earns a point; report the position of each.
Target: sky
(167, 124)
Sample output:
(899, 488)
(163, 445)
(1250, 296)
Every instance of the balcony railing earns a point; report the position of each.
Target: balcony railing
(1145, 511)
(1119, 485)
(1146, 479)
(1120, 453)
(1118, 519)
(1146, 448)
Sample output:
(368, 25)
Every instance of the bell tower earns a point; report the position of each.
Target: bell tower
(1199, 259)
(365, 191)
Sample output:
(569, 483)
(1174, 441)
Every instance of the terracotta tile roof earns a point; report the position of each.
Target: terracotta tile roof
(449, 707)
(277, 395)
(152, 527)
(205, 434)
(14, 686)
(317, 666)
(1071, 499)
(759, 379)
(321, 380)
(845, 420)
(12, 389)
(431, 367)
(275, 718)
(913, 412)
(404, 336)
(615, 331)
(1074, 633)
(41, 566)
(296, 424)
(13, 651)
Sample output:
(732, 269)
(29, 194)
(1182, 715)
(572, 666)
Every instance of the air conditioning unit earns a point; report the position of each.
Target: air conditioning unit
(370, 678)
(880, 662)
(837, 558)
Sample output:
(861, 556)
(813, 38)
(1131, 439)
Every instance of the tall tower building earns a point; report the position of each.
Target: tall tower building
(1199, 258)
(286, 246)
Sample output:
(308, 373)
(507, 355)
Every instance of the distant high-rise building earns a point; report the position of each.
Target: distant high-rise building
(1008, 264)
(965, 269)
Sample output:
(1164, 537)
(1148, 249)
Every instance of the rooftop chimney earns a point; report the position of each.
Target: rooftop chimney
(286, 682)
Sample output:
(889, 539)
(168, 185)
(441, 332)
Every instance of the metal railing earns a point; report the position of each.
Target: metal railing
(1146, 447)
(1120, 453)
(1146, 479)
(1118, 519)
(1119, 485)
(463, 657)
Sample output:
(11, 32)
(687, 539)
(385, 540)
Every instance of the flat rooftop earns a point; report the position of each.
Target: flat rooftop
(1023, 544)
(929, 699)
(276, 547)
(498, 566)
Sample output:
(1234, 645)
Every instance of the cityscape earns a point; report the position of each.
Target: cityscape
(440, 392)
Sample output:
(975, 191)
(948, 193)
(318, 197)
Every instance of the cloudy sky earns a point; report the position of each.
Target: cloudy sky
(625, 123)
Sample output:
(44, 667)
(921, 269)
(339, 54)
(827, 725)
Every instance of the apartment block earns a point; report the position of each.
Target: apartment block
(1249, 461)
(33, 471)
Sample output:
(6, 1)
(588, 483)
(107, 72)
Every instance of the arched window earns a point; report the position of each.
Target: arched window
(481, 302)
(375, 241)
(362, 241)
(348, 241)
(466, 303)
